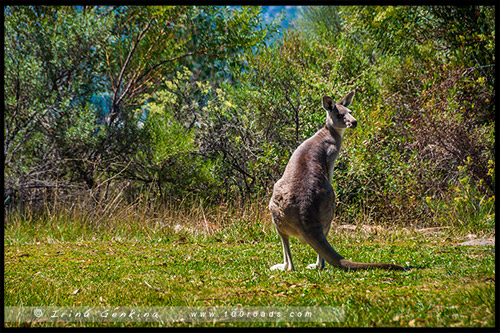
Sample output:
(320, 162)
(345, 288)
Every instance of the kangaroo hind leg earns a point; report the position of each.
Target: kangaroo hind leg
(319, 264)
(287, 265)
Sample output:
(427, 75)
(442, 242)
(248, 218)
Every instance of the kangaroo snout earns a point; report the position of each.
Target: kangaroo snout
(350, 121)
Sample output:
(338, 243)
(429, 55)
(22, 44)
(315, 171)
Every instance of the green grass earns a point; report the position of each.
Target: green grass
(49, 263)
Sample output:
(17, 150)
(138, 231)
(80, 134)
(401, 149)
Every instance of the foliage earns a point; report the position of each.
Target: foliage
(171, 143)
(52, 60)
(322, 20)
(465, 204)
(198, 100)
(59, 60)
(150, 41)
(437, 102)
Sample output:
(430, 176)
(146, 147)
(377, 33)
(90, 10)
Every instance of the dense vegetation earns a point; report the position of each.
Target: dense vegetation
(208, 103)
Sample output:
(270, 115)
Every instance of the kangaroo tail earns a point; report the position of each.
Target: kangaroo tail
(319, 243)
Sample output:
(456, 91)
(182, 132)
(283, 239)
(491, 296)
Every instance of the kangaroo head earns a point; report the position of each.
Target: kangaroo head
(338, 116)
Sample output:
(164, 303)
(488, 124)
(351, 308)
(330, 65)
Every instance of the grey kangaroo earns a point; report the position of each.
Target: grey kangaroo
(303, 201)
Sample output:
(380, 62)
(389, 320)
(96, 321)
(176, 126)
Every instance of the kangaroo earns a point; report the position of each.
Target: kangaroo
(303, 201)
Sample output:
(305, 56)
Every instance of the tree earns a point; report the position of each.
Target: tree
(436, 66)
(53, 59)
(75, 77)
(152, 42)
(203, 40)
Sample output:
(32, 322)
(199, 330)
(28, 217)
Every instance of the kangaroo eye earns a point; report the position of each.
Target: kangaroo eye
(340, 116)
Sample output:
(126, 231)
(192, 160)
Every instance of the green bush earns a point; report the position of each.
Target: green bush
(465, 206)
(208, 107)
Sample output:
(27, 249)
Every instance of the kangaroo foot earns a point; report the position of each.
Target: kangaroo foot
(281, 267)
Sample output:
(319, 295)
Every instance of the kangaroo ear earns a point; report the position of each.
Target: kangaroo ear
(346, 101)
(328, 103)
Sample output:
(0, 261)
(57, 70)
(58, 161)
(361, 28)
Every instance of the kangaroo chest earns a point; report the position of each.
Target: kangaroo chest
(331, 156)
(331, 148)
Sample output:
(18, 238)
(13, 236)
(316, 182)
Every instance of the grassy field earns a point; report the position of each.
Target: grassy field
(222, 258)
